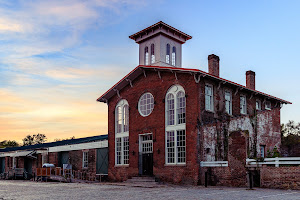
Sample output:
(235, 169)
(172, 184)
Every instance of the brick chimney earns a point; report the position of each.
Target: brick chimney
(213, 64)
(250, 79)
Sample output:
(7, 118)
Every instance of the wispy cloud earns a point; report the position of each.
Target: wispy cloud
(51, 75)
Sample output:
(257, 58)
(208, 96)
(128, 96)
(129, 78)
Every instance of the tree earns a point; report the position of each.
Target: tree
(9, 143)
(290, 135)
(34, 139)
(57, 139)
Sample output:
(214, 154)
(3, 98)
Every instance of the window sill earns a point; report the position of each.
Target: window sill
(268, 109)
(175, 165)
(210, 111)
(127, 165)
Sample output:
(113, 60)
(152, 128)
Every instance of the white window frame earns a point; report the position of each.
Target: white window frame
(258, 104)
(211, 98)
(262, 150)
(176, 127)
(230, 102)
(152, 52)
(243, 107)
(168, 50)
(85, 159)
(173, 56)
(123, 135)
(151, 106)
(146, 53)
(268, 105)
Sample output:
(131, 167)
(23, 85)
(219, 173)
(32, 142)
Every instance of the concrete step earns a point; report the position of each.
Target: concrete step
(140, 179)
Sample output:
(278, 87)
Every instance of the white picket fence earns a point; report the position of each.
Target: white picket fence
(273, 161)
(214, 163)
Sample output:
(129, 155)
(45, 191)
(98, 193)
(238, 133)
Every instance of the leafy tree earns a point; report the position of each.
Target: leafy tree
(34, 139)
(9, 143)
(290, 135)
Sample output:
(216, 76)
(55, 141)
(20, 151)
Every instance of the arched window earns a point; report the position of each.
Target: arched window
(146, 56)
(152, 54)
(174, 56)
(122, 133)
(168, 54)
(175, 126)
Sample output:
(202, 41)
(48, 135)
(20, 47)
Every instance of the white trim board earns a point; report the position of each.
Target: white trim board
(82, 146)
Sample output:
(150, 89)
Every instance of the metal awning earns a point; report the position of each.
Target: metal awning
(24, 154)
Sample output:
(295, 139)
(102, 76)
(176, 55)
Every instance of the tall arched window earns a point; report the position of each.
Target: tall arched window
(175, 126)
(122, 133)
(146, 56)
(174, 56)
(168, 54)
(152, 54)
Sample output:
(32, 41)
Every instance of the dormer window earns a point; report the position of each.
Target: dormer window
(146, 56)
(268, 105)
(152, 54)
(168, 54)
(173, 56)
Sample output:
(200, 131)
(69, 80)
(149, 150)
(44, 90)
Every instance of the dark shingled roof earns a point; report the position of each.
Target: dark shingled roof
(59, 143)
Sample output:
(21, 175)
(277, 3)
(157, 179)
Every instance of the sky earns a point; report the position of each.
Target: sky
(58, 56)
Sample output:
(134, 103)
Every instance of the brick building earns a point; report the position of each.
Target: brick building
(164, 120)
(85, 155)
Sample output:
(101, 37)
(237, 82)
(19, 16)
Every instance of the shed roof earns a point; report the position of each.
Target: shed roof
(59, 143)
(139, 70)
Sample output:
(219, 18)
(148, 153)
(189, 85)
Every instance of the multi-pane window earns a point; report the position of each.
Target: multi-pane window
(152, 54)
(170, 109)
(147, 143)
(146, 56)
(174, 56)
(258, 104)
(175, 125)
(170, 147)
(181, 146)
(175, 147)
(243, 105)
(122, 133)
(85, 159)
(146, 104)
(118, 151)
(126, 118)
(181, 107)
(125, 150)
(268, 105)
(208, 98)
(168, 54)
(122, 151)
(119, 119)
(228, 102)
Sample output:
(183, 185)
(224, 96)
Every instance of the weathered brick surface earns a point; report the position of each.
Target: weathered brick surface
(207, 132)
(155, 124)
(280, 177)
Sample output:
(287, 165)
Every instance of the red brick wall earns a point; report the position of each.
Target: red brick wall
(280, 177)
(155, 123)
(267, 133)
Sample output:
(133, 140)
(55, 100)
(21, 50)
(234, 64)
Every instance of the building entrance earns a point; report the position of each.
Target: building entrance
(146, 155)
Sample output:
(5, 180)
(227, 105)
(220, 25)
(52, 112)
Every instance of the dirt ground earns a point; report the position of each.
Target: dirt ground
(26, 190)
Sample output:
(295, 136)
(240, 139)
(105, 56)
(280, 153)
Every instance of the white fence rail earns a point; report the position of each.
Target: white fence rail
(273, 161)
(214, 164)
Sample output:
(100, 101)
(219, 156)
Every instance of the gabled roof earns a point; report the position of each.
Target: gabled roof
(59, 143)
(141, 69)
(163, 28)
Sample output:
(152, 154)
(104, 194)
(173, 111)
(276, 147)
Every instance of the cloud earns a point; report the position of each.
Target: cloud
(10, 26)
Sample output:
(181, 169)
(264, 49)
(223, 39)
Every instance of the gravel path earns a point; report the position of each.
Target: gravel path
(26, 190)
